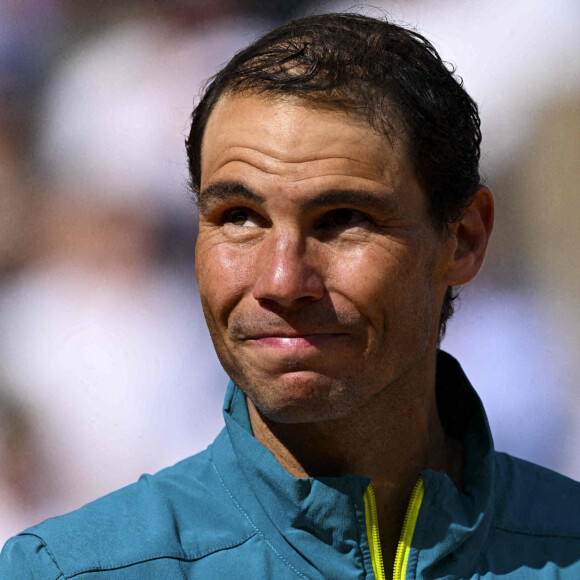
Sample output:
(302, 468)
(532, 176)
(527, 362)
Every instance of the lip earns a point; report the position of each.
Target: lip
(293, 341)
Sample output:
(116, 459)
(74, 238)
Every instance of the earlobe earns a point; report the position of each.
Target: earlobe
(471, 233)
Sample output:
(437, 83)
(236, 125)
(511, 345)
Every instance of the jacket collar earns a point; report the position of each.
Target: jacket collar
(453, 525)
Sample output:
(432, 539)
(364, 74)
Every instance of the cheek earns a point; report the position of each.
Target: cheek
(391, 287)
(223, 275)
(368, 276)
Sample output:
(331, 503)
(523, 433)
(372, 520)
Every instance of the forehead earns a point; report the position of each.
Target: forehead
(290, 141)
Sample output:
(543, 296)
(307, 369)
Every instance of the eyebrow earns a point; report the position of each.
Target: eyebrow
(364, 199)
(351, 197)
(224, 190)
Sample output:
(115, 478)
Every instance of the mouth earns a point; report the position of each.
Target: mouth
(293, 341)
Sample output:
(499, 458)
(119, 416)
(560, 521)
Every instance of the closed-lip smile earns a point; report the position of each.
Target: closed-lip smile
(289, 340)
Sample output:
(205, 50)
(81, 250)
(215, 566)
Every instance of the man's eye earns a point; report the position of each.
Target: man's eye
(244, 217)
(342, 217)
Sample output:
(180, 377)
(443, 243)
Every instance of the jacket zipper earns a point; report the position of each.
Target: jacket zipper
(404, 545)
(372, 520)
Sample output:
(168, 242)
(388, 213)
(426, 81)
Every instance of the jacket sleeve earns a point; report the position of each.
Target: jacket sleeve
(26, 557)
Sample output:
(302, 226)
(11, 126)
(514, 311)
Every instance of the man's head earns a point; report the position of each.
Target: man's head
(381, 72)
(336, 165)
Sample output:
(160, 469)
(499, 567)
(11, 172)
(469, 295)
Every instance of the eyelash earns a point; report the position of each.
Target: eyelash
(244, 213)
(359, 216)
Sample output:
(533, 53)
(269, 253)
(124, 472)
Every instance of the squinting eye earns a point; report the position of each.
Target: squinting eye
(342, 217)
(243, 216)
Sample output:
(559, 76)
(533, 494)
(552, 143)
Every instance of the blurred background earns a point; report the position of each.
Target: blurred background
(106, 368)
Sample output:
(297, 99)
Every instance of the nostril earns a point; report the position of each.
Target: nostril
(289, 288)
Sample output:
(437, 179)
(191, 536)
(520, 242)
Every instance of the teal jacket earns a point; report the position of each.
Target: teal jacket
(232, 512)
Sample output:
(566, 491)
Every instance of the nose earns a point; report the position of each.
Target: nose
(288, 273)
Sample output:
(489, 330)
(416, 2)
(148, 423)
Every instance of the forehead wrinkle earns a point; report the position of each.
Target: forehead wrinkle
(296, 136)
(290, 156)
(303, 168)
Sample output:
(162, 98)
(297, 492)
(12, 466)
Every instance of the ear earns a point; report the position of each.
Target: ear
(471, 233)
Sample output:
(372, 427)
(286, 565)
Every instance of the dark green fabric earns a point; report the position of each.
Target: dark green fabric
(233, 512)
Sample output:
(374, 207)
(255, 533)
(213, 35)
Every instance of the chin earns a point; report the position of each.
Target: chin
(299, 397)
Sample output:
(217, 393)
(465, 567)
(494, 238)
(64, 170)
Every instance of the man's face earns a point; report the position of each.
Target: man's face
(320, 273)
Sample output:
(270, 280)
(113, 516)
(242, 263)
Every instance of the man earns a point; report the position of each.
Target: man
(336, 166)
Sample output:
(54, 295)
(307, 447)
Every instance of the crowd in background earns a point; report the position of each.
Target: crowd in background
(106, 367)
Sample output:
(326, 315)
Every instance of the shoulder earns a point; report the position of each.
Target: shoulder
(535, 527)
(26, 556)
(531, 499)
(182, 514)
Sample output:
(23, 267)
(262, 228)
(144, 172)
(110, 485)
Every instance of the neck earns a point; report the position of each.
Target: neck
(391, 439)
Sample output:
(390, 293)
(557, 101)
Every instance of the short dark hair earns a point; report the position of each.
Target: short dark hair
(373, 68)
